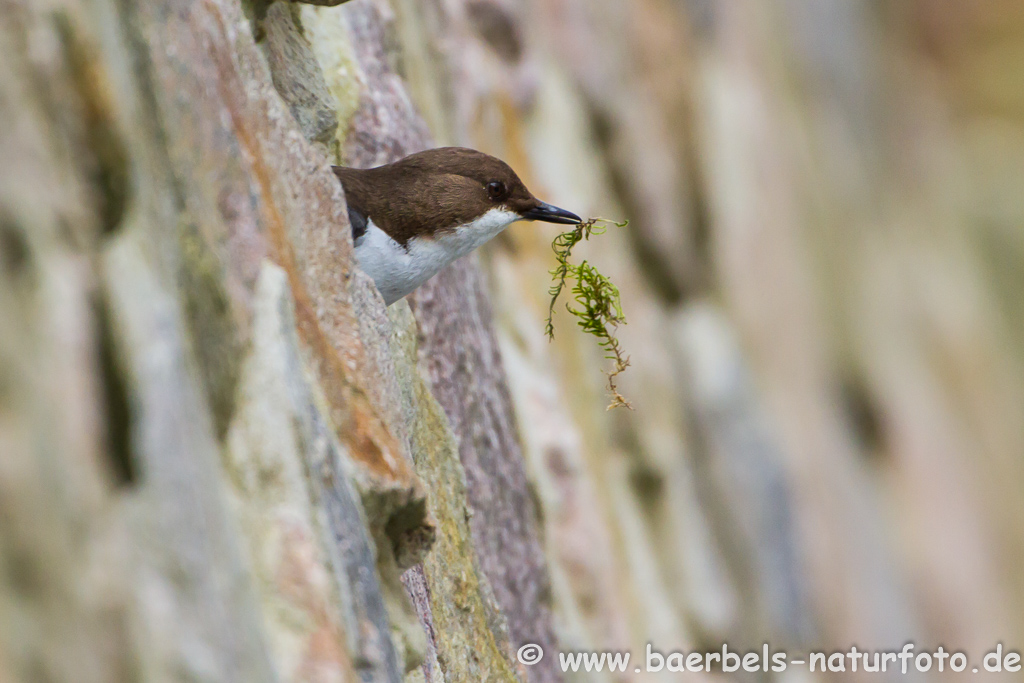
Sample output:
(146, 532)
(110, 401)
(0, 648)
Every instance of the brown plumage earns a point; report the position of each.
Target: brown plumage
(412, 218)
(431, 191)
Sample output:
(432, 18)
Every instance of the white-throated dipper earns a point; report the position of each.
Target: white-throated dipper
(413, 217)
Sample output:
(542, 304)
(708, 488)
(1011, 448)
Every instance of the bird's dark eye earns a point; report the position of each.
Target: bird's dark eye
(496, 190)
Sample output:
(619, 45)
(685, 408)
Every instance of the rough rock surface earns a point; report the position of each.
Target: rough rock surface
(222, 458)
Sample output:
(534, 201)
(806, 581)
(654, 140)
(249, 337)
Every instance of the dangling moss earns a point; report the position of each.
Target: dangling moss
(598, 309)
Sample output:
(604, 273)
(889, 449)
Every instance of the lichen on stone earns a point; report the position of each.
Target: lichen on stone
(327, 33)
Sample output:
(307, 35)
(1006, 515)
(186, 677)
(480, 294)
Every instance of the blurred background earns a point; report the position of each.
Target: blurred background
(823, 278)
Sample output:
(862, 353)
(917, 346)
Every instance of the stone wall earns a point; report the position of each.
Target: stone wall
(222, 458)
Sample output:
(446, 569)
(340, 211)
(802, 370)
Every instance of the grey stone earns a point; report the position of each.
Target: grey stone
(297, 76)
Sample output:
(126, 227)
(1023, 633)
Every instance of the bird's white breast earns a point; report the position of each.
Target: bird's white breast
(399, 270)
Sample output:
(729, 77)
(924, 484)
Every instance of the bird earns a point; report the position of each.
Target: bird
(413, 217)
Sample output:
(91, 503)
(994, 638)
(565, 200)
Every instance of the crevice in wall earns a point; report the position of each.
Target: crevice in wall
(107, 163)
(118, 413)
(15, 254)
(411, 533)
(296, 74)
(657, 273)
(216, 341)
(864, 415)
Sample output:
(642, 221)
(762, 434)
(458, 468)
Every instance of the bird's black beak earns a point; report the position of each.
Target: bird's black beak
(551, 214)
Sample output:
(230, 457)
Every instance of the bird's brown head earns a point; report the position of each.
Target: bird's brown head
(441, 189)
